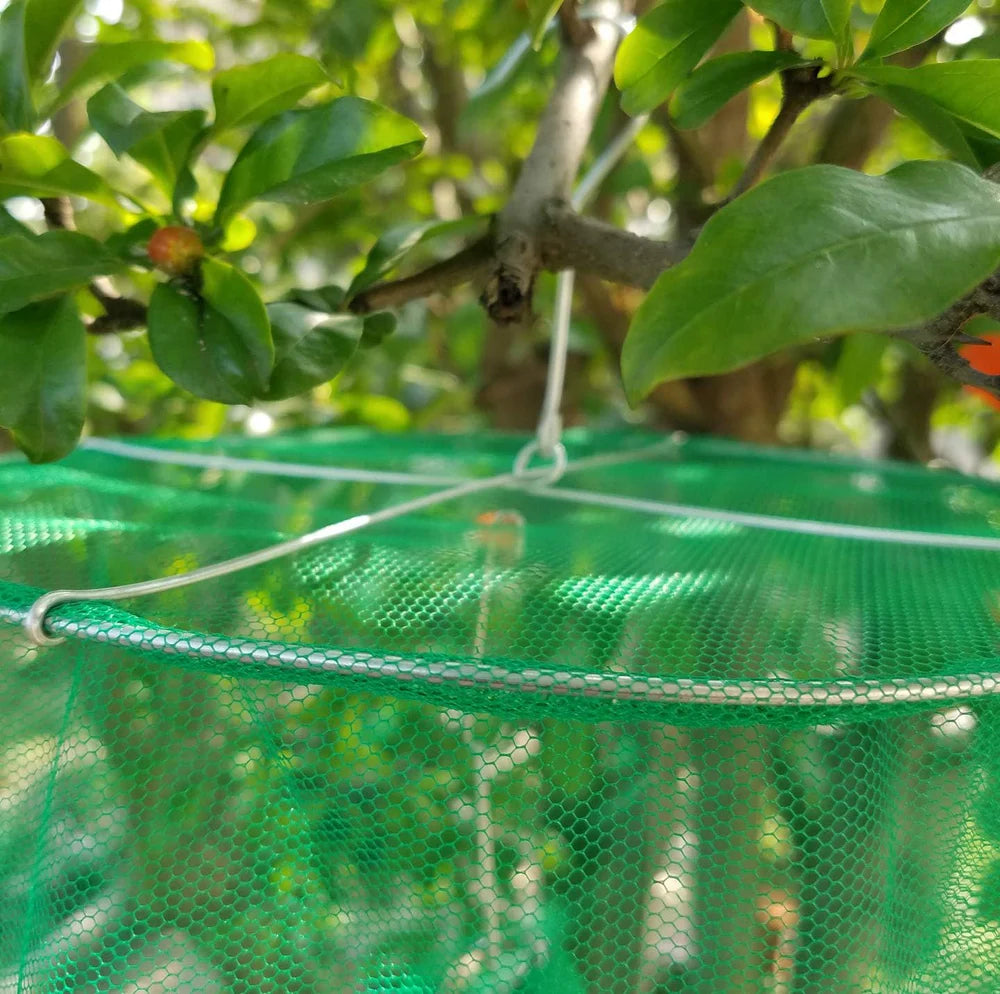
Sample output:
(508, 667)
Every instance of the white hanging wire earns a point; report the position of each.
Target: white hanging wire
(536, 485)
(34, 622)
(547, 442)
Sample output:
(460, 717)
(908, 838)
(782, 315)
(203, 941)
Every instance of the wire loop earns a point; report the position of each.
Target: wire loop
(522, 463)
(34, 620)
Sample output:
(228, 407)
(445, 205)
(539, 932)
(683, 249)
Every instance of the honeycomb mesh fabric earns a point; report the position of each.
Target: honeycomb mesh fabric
(573, 747)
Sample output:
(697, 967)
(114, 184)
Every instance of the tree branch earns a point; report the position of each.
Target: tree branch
(120, 314)
(471, 264)
(940, 337)
(569, 241)
(799, 88)
(550, 169)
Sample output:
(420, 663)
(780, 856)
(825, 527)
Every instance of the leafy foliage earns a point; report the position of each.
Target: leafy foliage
(769, 269)
(303, 156)
(289, 163)
(665, 46)
(901, 24)
(33, 267)
(214, 340)
(43, 377)
(718, 80)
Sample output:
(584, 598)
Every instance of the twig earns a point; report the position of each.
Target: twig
(800, 86)
(471, 264)
(120, 314)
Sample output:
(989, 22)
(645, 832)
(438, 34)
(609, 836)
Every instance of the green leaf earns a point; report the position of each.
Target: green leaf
(327, 298)
(227, 290)
(379, 325)
(858, 366)
(395, 244)
(935, 120)
(248, 94)
(45, 23)
(217, 344)
(130, 245)
(11, 226)
(162, 141)
(965, 89)
(665, 46)
(16, 110)
(827, 19)
(901, 24)
(815, 252)
(838, 16)
(112, 60)
(717, 81)
(33, 267)
(309, 348)
(43, 376)
(40, 166)
(540, 12)
(303, 156)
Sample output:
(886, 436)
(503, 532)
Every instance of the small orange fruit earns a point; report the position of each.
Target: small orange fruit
(175, 250)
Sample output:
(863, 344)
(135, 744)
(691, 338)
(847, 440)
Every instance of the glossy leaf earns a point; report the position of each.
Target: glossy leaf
(16, 110)
(966, 89)
(45, 23)
(901, 24)
(394, 245)
(665, 46)
(162, 141)
(540, 12)
(112, 60)
(247, 94)
(934, 119)
(33, 267)
(815, 252)
(310, 348)
(303, 156)
(43, 368)
(829, 19)
(40, 166)
(717, 81)
(218, 346)
(225, 288)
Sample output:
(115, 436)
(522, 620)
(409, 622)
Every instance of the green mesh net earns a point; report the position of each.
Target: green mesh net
(696, 718)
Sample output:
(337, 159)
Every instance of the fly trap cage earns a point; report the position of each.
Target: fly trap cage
(692, 717)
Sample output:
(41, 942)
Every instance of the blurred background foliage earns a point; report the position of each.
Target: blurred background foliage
(461, 69)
